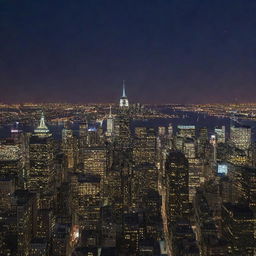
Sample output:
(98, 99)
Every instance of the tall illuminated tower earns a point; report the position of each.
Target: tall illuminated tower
(42, 130)
(213, 141)
(177, 178)
(68, 146)
(124, 103)
(41, 158)
(110, 124)
(122, 124)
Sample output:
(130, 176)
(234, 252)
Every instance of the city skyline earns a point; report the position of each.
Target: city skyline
(116, 101)
(138, 181)
(127, 128)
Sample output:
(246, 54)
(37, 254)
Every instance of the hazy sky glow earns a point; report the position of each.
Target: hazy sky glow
(168, 51)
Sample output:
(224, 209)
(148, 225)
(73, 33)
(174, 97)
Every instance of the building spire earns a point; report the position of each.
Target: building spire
(124, 95)
(42, 121)
(110, 111)
(124, 100)
(42, 128)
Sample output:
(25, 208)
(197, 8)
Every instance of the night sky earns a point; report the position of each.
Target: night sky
(168, 51)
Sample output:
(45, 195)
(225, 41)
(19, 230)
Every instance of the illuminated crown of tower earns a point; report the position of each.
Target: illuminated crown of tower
(124, 100)
(42, 128)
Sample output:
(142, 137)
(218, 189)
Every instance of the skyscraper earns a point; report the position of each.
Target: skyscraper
(221, 134)
(186, 130)
(144, 149)
(177, 176)
(41, 160)
(122, 124)
(24, 206)
(241, 136)
(42, 130)
(68, 146)
(239, 228)
(124, 103)
(83, 140)
(110, 123)
(87, 199)
(95, 161)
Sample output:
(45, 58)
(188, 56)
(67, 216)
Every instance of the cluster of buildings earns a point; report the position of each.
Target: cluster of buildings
(118, 190)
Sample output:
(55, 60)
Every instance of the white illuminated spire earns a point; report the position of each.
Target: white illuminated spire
(42, 124)
(124, 100)
(124, 95)
(42, 128)
(110, 112)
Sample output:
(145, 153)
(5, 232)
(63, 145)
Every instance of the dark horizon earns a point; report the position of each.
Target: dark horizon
(235, 102)
(167, 51)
